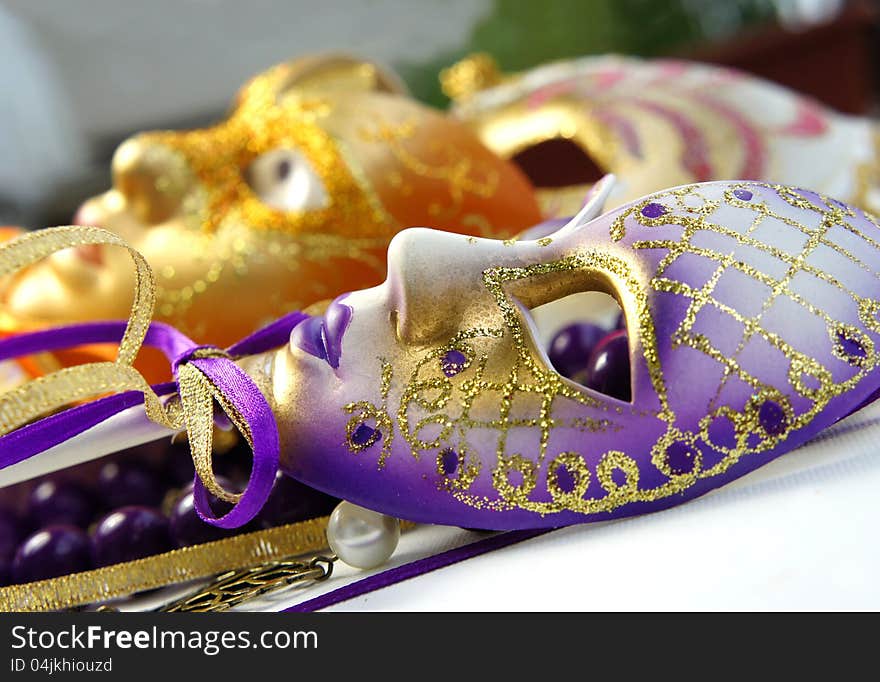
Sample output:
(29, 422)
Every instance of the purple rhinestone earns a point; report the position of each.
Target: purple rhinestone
(363, 435)
(653, 210)
(453, 362)
(130, 533)
(851, 348)
(743, 194)
(54, 501)
(291, 501)
(564, 479)
(772, 418)
(570, 348)
(449, 461)
(50, 552)
(608, 367)
(125, 483)
(681, 458)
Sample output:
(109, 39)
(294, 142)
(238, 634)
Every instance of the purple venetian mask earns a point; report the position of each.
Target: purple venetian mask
(752, 312)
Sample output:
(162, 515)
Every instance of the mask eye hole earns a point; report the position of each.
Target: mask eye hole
(558, 162)
(585, 339)
(284, 179)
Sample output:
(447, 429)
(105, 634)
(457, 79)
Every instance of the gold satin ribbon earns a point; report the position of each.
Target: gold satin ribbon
(42, 395)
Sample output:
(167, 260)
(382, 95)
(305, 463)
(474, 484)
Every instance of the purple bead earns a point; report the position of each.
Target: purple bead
(608, 368)
(453, 362)
(743, 194)
(187, 528)
(570, 348)
(772, 418)
(653, 210)
(11, 532)
(236, 463)
(621, 321)
(130, 533)
(291, 501)
(122, 484)
(178, 466)
(681, 458)
(50, 552)
(63, 502)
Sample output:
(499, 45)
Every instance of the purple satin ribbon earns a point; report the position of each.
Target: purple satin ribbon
(41, 435)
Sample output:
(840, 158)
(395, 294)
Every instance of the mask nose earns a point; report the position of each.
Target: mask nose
(153, 178)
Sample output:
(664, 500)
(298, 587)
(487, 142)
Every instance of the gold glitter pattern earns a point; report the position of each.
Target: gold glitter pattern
(363, 412)
(458, 173)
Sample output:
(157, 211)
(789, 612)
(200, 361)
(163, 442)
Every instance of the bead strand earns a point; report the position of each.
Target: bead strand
(134, 509)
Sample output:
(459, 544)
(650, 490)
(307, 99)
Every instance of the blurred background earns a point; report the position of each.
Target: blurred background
(79, 77)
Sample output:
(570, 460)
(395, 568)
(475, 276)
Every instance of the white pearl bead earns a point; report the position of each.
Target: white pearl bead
(360, 537)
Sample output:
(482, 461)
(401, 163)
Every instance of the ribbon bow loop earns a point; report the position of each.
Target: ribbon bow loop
(208, 375)
(204, 374)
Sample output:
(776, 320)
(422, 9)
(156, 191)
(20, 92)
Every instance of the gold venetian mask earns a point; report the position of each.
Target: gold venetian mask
(290, 200)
